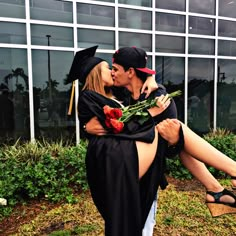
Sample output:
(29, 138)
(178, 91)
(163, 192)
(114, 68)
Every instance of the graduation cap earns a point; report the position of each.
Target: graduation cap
(84, 61)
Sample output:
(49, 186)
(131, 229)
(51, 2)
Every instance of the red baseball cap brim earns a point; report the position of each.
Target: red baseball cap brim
(147, 70)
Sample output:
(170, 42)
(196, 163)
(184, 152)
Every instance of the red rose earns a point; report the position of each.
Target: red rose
(117, 125)
(107, 110)
(116, 113)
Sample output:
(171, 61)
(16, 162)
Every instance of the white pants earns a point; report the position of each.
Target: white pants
(151, 220)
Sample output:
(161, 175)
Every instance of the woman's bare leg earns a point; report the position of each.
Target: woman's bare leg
(200, 149)
(146, 154)
(200, 172)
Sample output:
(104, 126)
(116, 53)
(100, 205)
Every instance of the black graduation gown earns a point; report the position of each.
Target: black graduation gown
(122, 199)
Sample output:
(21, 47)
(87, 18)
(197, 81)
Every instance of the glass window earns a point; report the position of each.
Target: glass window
(226, 48)
(135, 19)
(14, 95)
(170, 22)
(178, 5)
(204, 7)
(51, 96)
(227, 8)
(91, 14)
(51, 10)
(143, 3)
(172, 44)
(105, 0)
(143, 41)
(14, 33)
(227, 28)
(201, 25)
(170, 73)
(226, 96)
(59, 36)
(15, 9)
(201, 46)
(90, 37)
(200, 94)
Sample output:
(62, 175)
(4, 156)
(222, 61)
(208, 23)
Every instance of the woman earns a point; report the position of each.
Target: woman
(195, 149)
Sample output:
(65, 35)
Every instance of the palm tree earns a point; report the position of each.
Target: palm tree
(18, 72)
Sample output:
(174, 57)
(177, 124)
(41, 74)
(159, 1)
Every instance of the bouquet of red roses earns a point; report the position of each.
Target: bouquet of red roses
(116, 117)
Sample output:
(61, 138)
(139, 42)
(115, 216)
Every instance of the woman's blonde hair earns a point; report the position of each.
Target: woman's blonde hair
(94, 81)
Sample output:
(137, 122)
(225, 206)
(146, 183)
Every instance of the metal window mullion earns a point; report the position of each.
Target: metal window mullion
(30, 73)
(216, 67)
(77, 124)
(117, 44)
(153, 35)
(186, 65)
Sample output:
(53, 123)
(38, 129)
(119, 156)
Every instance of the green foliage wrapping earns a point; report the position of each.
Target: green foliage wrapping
(221, 139)
(34, 171)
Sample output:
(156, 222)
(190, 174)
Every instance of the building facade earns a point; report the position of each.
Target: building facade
(190, 43)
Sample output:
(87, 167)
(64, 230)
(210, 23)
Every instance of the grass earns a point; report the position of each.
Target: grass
(181, 211)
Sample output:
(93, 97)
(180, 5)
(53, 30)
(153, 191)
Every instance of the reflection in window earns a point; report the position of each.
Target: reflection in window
(143, 41)
(226, 96)
(91, 14)
(170, 73)
(15, 9)
(200, 94)
(59, 36)
(178, 5)
(200, 25)
(227, 28)
(170, 22)
(135, 19)
(90, 37)
(204, 7)
(201, 46)
(143, 3)
(226, 48)
(14, 33)
(51, 96)
(227, 8)
(51, 10)
(14, 96)
(172, 44)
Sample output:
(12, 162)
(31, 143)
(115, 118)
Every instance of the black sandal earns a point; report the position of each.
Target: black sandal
(218, 208)
(233, 187)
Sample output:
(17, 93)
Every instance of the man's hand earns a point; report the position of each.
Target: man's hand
(169, 130)
(149, 86)
(94, 127)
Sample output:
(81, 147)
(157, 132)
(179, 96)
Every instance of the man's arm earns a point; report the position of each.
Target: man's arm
(94, 127)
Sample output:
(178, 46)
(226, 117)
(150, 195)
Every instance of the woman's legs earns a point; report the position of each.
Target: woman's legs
(146, 154)
(200, 149)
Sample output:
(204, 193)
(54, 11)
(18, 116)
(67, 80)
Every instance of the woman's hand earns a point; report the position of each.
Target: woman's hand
(162, 103)
(149, 86)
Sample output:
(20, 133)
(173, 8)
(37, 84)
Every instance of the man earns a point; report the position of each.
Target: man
(129, 71)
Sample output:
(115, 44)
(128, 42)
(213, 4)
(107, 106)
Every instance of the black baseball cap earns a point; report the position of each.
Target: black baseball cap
(84, 61)
(132, 57)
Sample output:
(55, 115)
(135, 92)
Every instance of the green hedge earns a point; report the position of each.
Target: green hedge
(36, 171)
(54, 171)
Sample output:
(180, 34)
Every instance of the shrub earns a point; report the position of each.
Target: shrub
(41, 170)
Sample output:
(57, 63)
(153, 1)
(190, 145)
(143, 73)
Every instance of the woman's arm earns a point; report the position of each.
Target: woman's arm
(149, 86)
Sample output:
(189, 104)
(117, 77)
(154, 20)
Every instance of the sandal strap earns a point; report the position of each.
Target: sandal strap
(218, 195)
